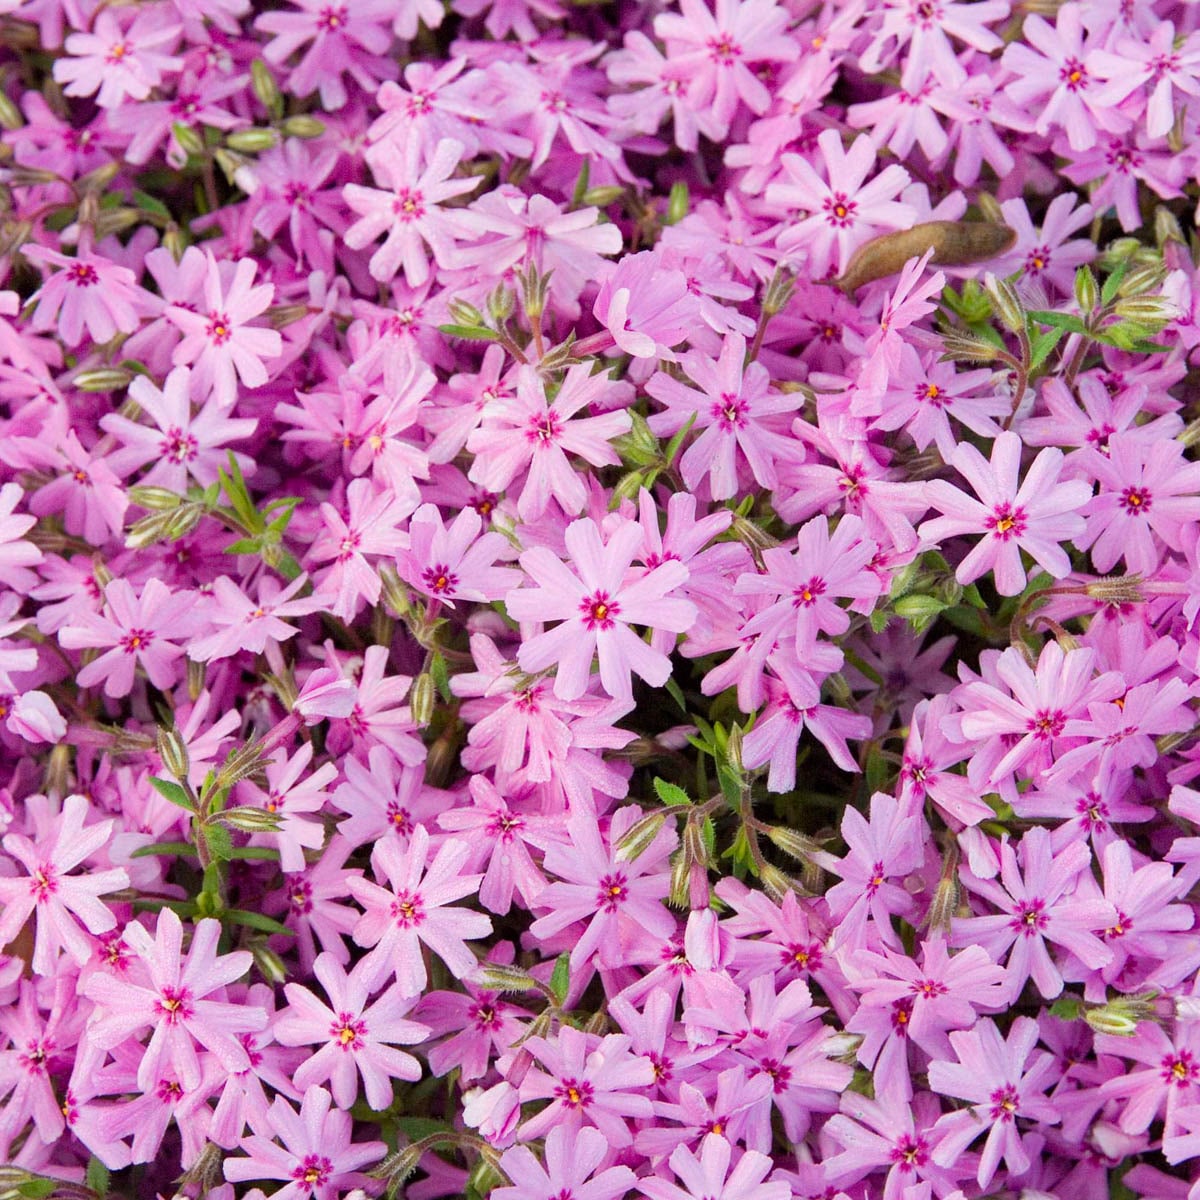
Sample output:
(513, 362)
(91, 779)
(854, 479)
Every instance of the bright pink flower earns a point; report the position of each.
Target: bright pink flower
(242, 624)
(88, 292)
(134, 630)
(596, 606)
(118, 61)
(292, 792)
(414, 912)
(455, 563)
(170, 995)
(85, 490)
(646, 307)
(356, 1038)
(16, 554)
(1158, 62)
(708, 1177)
(60, 901)
(571, 1157)
(1035, 514)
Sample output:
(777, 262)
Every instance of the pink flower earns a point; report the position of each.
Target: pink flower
(88, 292)
(841, 211)
(220, 342)
(17, 554)
(1035, 514)
(239, 623)
(596, 606)
(356, 1038)
(139, 630)
(530, 432)
(118, 62)
(170, 995)
(408, 212)
(1157, 61)
(318, 1158)
(397, 922)
(292, 792)
(708, 1177)
(646, 307)
(572, 1158)
(734, 408)
(455, 563)
(59, 900)
(183, 446)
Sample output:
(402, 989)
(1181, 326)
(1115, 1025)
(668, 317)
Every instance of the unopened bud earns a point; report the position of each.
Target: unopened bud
(1167, 227)
(1145, 310)
(602, 197)
(916, 607)
(196, 672)
(102, 379)
(751, 536)
(1113, 1023)
(779, 292)
(241, 764)
(1116, 589)
(252, 820)
(966, 347)
(397, 1167)
(639, 447)
(462, 313)
(176, 241)
(148, 531)
(183, 520)
(1005, 302)
(265, 88)
(775, 883)
(13, 235)
(501, 303)
(173, 751)
(190, 142)
(679, 893)
(423, 699)
(628, 486)
(695, 848)
(252, 141)
(1087, 290)
(794, 845)
(499, 977)
(10, 114)
(639, 837)
(303, 126)
(678, 203)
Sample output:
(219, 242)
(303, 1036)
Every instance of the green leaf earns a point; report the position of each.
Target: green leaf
(36, 1188)
(731, 784)
(169, 790)
(182, 849)
(676, 694)
(239, 497)
(257, 921)
(1067, 1007)
(1068, 321)
(97, 1177)
(470, 333)
(560, 979)
(1109, 291)
(150, 204)
(670, 794)
(677, 441)
(581, 184)
(255, 853)
(441, 676)
(1042, 343)
(219, 842)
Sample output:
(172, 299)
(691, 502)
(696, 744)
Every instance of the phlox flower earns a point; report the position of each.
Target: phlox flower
(37, 1045)
(596, 605)
(1044, 255)
(645, 306)
(454, 563)
(1158, 61)
(17, 554)
(115, 61)
(239, 623)
(482, 1025)
(85, 489)
(384, 798)
(219, 342)
(708, 1177)
(173, 995)
(355, 1038)
(87, 292)
(293, 791)
(840, 211)
(60, 901)
(1003, 1079)
(318, 1158)
(134, 630)
(731, 410)
(415, 911)
(1036, 513)
(572, 1158)
(182, 446)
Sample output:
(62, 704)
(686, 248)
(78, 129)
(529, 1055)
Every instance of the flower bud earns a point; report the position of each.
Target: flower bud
(793, 844)
(1151, 311)
(265, 87)
(501, 302)
(102, 379)
(395, 593)
(1087, 291)
(966, 347)
(775, 883)
(603, 196)
(1005, 302)
(677, 203)
(1116, 589)
(638, 838)
(252, 141)
(252, 820)
(779, 292)
(283, 315)
(639, 447)
(680, 890)
(303, 126)
(182, 521)
(499, 977)
(147, 531)
(190, 142)
(173, 751)
(1167, 227)
(397, 1167)
(196, 673)
(462, 313)
(10, 114)
(423, 699)
(243, 763)
(157, 499)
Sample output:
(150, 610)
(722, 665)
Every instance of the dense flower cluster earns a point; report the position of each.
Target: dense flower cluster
(599, 600)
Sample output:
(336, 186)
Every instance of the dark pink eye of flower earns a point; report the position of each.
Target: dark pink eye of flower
(804, 956)
(136, 640)
(1046, 724)
(542, 430)
(220, 328)
(927, 989)
(297, 194)
(408, 205)
(554, 102)
(779, 1073)
(806, 594)
(1074, 74)
(611, 892)
(42, 882)
(599, 610)
(301, 897)
(348, 1032)
(1136, 501)
(1120, 927)
(1179, 1070)
(439, 579)
(503, 826)
(313, 1171)
(1037, 260)
(1005, 1101)
(1029, 918)
(399, 818)
(168, 1090)
(33, 1059)
(82, 274)
(179, 447)
(839, 210)
(910, 1152)
(724, 50)
(731, 411)
(1007, 522)
(484, 1015)
(575, 1093)
(407, 909)
(332, 19)
(118, 52)
(174, 1005)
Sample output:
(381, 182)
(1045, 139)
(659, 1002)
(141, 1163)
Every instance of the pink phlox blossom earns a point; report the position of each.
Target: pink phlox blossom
(371, 525)
(182, 447)
(416, 911)
(505, 835)
(1160, 62)
(595, 606)
(241, 624)
(318, 1159)
(980, 118)
(533, 432)
(339, 39)
(589, 1081)
(408, 209)
(177, 283)
(356, 1038)
(924, 29)
(646, 307)
(1116, 167)
(793, 705)
(1019, 720)
(384, 799)
(85, 488)
(708, 1177)
(17, 554)
(1051, 78)
(807, 583)
(841, 211)
(620, 899)
(1162, 1079)
(180, 997)
(481, 1023)
(572, 1161)
(218, 341)
(924, 773)
(455, 562)
(134, 630)
(60, 901)
(293, 792)
(464, 401)
(1038, 899)
(881, 849)
(378, 716)
(310, 903)
(88, 291)
(1086, 806)
(738, 419)
(696, 1114)
(1044, 256)
(118, 60)
(1035, 513)
(718, 47)
(1149, 494)
(1004, 1079)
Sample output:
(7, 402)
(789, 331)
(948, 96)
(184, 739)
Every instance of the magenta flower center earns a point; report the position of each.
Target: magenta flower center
(348, 1032)
(398, 817)
(928, 989)
(439, 579)
(779, 1073)
(1136, 501)
(1180, 1069)
(1074, 74)
(408, 205)
(1005, 1101)
(1030, 918)
(174, 1005)
(806, 956)
(611, 892)
(724, 50)
(1037, 260)
(484, 1015)
(313, 1171)
(575, 1093)
(220, 328)
(598, 610)
(408, 910)
(806, 594)
(137, 640)
(43, 882)
(332, 19)
(910, 1152)
(1045, 724)
(33, 1059)
(301, 897)
(179, 446)
(118, 52)
(1121, 927)
(544, 429)
(730, 411)
(82, 274)
(1007, 522)
(839, 210)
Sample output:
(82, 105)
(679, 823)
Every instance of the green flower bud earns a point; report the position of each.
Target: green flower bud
(303, 126)
(103, 379)
(252, 141)
(252, 820)
(638, 838)
(173, 751)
